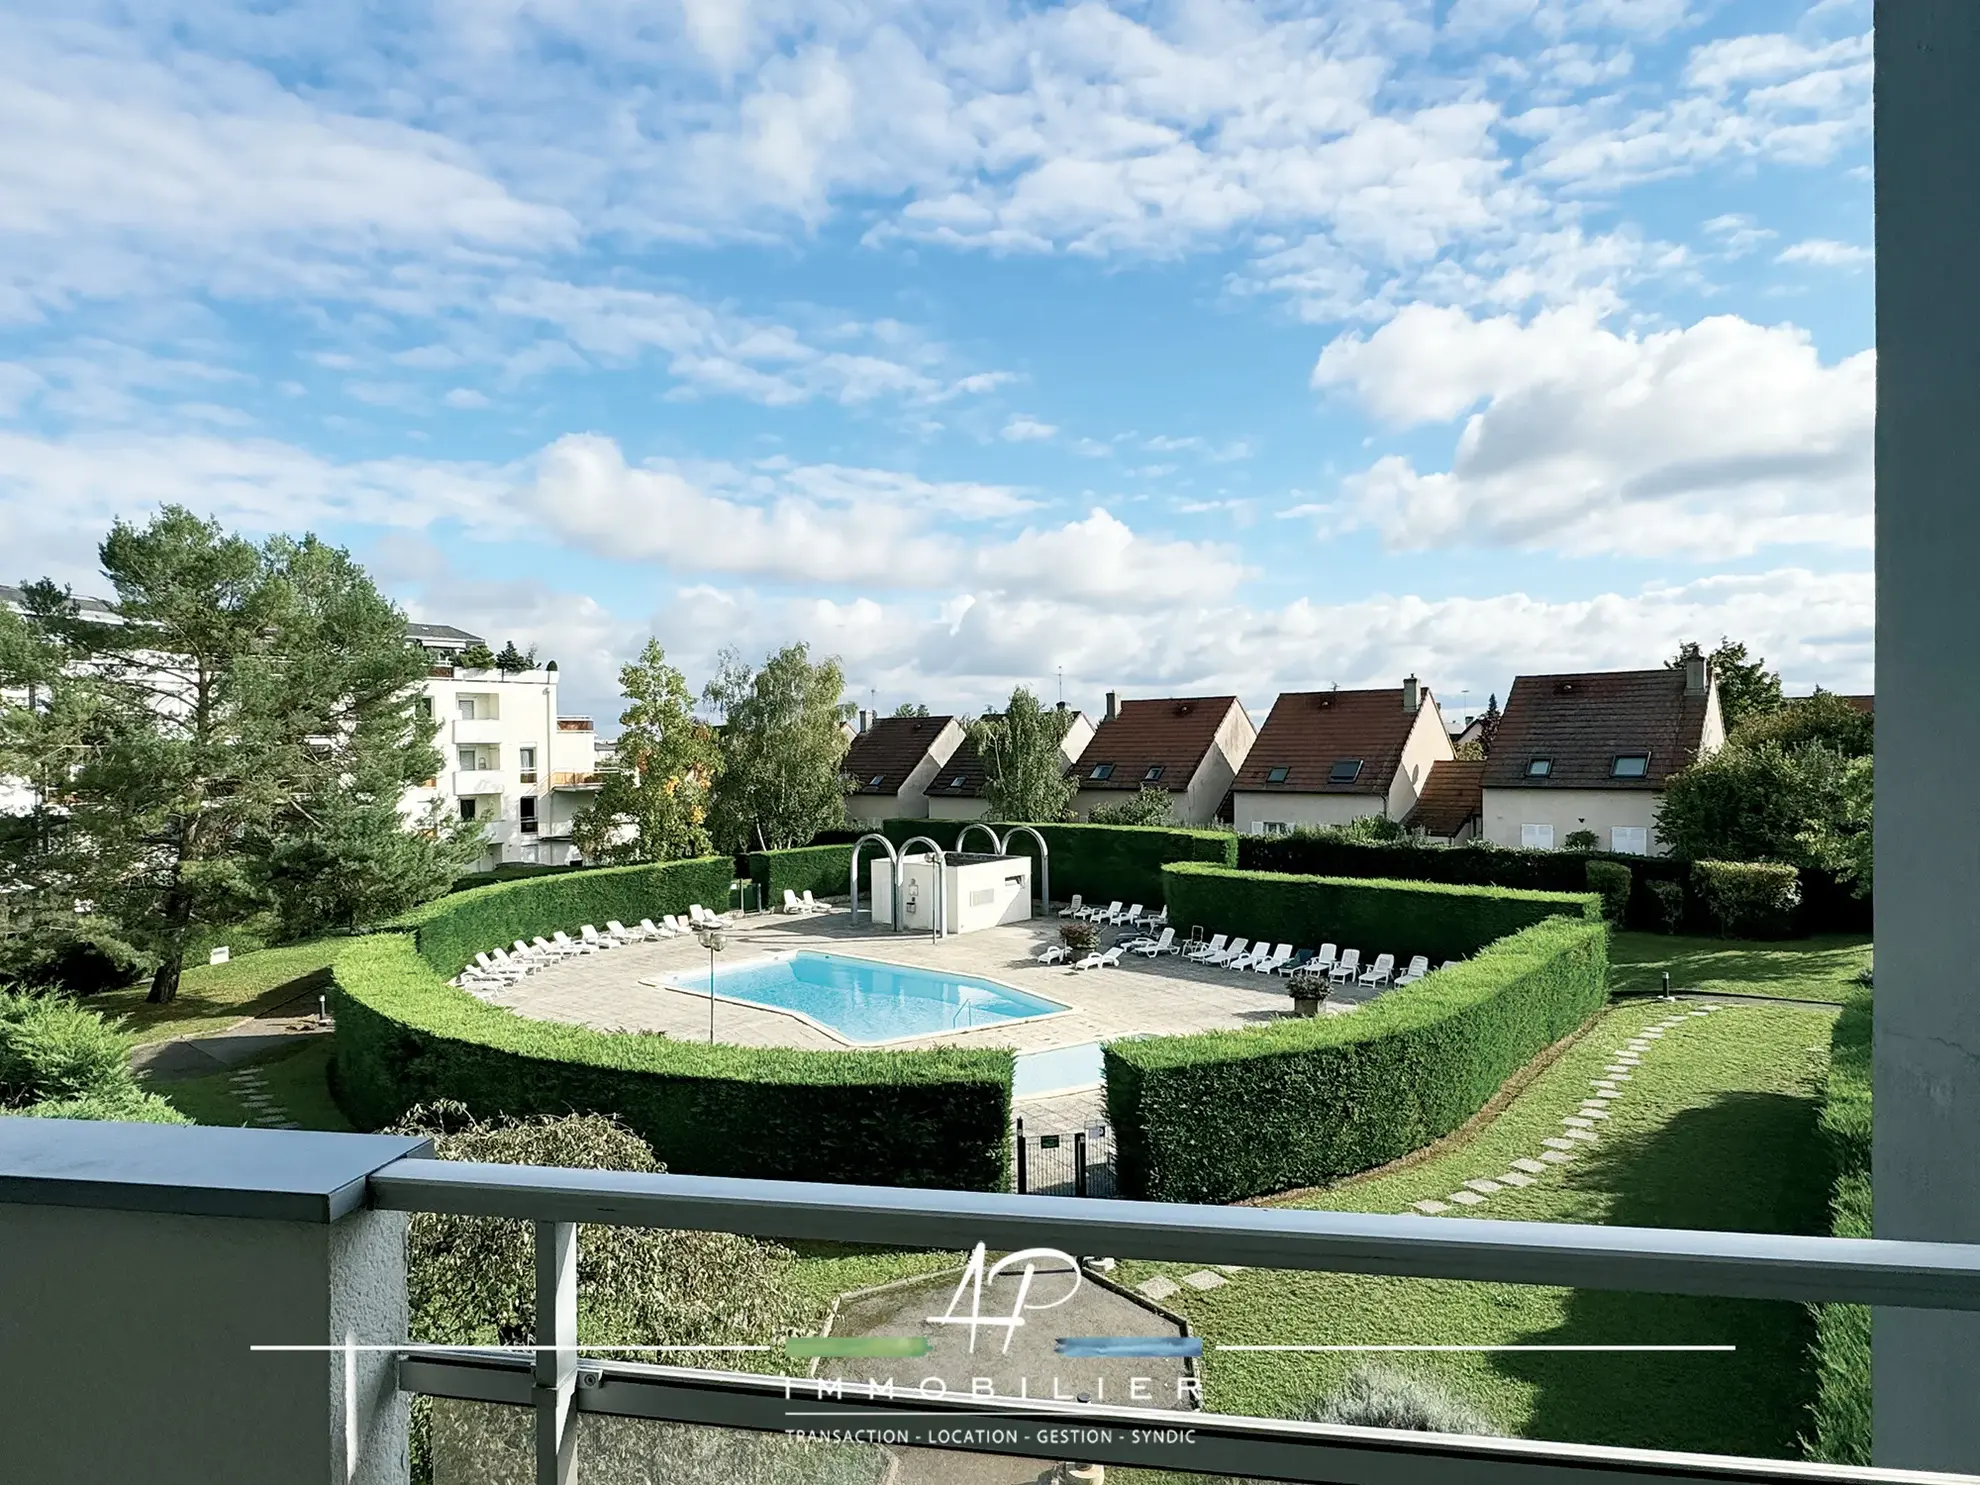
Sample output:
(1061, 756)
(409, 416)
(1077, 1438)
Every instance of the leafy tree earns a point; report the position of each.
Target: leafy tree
(1470, 751)
(512, 661)
(1581, 840)
(1143, 807)
(477, 656)
(240, 698)
(1365, 830)
(654, 806)
(1024, 772)
(1746, 687)
(1488, 729)
(911, 709)
(1754, 804)
(1821, 718)
(781, 747)
(1844, 842)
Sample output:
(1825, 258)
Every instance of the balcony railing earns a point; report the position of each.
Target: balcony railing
(175, 1180)
(575, 780)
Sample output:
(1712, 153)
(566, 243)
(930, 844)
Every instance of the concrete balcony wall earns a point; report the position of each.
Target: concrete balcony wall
(478, 781)
(480, 730)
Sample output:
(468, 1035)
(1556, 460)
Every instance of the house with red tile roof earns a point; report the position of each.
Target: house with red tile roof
(1328, 757)
(1593, 752)
(891, 763)
(1191, 746)
(957, 791)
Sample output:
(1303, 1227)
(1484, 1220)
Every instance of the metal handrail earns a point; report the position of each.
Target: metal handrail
(1742, 1265)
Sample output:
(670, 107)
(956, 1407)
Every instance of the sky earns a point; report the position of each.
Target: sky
(1168, 348)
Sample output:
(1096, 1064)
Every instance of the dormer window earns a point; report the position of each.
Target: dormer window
(1539, 768)
(1344, 771)
(875, 781)
(1630, 766)
(1101, 772)
(1278, 775)
(1154, 773)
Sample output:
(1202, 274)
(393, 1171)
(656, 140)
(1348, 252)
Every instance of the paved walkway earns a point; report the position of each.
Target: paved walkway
(609, 990)
(198, 1056)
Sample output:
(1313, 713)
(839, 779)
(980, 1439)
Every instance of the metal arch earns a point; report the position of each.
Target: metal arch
(987, 828)
(1044, 865)
(941, 884)
(892, 855)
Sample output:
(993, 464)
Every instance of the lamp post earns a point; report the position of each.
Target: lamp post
(711, 940)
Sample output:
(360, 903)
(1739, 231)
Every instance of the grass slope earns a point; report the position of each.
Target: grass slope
(1821, 968)
(213, 997)
(295, 1078)
(1716, 1130)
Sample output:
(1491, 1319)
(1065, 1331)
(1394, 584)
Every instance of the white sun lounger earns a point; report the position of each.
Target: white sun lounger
(1345, 968)
(1052, 954)
(619, 931)
(1418, 968)
(1239, 949)
(1271, 966)
(1202, 952)
(597, 940)
(1074, 909)
(700, 917)
(571, 945)
(1152, 947)
(1380, 972)
(1132, 915)
(1105, 960)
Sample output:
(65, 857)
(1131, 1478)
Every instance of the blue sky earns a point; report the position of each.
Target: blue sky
(1187, 347)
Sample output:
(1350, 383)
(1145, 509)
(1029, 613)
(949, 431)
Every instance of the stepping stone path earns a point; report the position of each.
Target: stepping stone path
(1204, 1279)
(1578, 1127)
(1156, 1287)
(251, 1088)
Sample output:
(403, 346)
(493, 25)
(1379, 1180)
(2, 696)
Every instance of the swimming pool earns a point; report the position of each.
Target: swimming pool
(868, 1003)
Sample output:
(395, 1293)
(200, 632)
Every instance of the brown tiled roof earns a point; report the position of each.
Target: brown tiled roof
(1309, 731)
(1865, 704)
(1172, 734)
(890, 750)
(962, 776)
(1582, 722)
(1453, 796)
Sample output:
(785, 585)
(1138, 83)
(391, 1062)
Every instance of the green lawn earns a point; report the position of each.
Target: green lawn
(1820, 968)
(296, 1078)
(213, 997)
(1717, 1130)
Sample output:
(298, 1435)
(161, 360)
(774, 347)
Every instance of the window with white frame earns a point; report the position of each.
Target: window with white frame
(1629, 840)
(465, 708)
(468, 758)
(1536, 837)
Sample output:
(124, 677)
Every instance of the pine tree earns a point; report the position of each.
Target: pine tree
(513, 661)
(239, 703)
(1488, 725)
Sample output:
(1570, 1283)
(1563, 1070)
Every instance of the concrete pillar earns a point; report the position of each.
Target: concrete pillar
(138, 1266)
(1927, 1064)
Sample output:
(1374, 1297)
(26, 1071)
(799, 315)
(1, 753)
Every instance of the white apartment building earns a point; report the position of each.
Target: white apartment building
(509, 761)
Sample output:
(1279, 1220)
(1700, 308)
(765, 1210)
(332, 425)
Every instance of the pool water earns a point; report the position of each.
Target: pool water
(866, 1002)
(1057, 1070)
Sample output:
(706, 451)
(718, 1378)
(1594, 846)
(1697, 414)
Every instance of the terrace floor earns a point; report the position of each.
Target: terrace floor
(618, 990)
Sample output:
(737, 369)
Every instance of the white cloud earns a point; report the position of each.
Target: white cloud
(465, 397)
(1591, 441)
(1022, 429)
(1821, 252)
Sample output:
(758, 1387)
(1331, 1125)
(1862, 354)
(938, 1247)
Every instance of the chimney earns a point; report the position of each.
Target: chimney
(1695, 673)
(1412, 695)
(1113, 705)
(865, 720)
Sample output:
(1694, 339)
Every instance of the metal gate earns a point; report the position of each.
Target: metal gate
(1077, 1164)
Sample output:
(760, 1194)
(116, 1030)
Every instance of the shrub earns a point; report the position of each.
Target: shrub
(81, 960)
(936, 1117)
(1143, 807)
(1840, 1415)
(1612, 879)
(821, 870)
(1374, 1398)
(1669, 897)
(1080, 938)
(1444, 922)
(1581, 840)
(1098, 861)
(59, 1061)
(1224, 1115)
(1749, 899)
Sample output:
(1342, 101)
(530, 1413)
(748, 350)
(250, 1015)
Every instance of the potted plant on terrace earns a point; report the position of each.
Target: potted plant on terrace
(1079, 938)
(1308, 990)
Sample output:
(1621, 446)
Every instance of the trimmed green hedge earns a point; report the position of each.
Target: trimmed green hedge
(1840, 1414)
(1400, 918)
(1100, 862)
(452, 929)
(1226, 1115)
(1748, 899)
(821, 870)
(1827, 906)
(937, 1117)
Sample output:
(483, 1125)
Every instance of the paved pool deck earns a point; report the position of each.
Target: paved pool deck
(613, 990)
